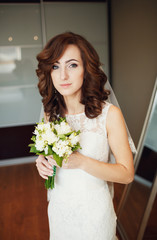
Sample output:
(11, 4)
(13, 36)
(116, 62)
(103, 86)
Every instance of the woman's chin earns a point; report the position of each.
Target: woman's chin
(68, 93)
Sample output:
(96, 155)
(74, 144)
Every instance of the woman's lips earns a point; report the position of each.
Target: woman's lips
(65, 85)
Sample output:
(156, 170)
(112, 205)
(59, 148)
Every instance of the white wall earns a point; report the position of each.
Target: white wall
(134, 58)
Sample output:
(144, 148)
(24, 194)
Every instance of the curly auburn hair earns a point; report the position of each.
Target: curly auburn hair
(93, 93)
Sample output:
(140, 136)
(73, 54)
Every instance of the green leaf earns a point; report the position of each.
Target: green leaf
(76, 147)
(31, 145)
(33, 149)
(58, 159)
(60, 120)
(78, 132)
(50, 152)
(33, 138)
(55, 131)
(62, 136)
(41, 153)
(68, 134)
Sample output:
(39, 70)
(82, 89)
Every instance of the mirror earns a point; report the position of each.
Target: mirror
(138, 197)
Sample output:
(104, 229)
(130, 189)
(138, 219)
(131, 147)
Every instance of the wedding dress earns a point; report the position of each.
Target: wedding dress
(80, 206)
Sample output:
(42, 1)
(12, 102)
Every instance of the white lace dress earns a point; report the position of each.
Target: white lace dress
(80, 206)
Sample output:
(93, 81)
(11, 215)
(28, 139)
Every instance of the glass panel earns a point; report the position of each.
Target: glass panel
(151, 136)
(20, 24)
(19, 105)
(19, 44)
(17, 65)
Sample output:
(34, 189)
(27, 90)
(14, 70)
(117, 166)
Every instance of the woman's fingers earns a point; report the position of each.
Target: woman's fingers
(45, 171)
(44, 168)
(43, 161)
(52, 161)
(65, 164)
(45, 174)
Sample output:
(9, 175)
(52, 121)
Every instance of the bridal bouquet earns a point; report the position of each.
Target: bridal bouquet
(56, 139)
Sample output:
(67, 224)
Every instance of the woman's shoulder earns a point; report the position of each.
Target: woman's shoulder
(114, 116)
(108, 114)
(107, 107)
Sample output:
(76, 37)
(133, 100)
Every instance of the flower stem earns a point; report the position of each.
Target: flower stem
(49, 183)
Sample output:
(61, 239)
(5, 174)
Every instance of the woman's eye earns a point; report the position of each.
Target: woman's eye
(54, 67)
(73, 65)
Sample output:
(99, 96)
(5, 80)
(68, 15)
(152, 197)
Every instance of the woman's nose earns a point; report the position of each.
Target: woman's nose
(64, 74)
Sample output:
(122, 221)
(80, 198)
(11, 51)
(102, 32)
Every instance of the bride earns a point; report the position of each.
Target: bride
(71, 84)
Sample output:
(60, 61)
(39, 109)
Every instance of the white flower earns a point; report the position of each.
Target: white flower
(40, 126)
(43, 127)
(40, 144)
(74, 139)
(63, 128)
(36, 132)
(46, 150)
(49, 126)
(61, 148)
(49, 136)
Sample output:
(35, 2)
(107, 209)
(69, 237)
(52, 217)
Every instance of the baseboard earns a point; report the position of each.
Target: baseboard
(143, 181)
(16, 161)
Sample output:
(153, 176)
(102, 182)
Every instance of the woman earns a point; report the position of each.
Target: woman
(72, 85)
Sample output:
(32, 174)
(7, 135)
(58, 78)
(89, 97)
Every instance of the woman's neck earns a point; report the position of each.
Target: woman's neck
(73, 105)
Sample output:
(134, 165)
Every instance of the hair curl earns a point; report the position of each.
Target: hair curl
(93, 89)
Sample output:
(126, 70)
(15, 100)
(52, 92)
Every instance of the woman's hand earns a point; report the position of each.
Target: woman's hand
(74, 161)
(44, 167)
(52, 161)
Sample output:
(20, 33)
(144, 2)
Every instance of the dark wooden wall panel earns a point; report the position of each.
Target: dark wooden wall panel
(148, 164)
(14, 141)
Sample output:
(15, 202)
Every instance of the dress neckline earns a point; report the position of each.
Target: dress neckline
(77, 114)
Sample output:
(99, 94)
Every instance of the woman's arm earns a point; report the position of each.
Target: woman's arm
(123, 170)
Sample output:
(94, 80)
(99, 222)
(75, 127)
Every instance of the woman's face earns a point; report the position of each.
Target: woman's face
(68, 72)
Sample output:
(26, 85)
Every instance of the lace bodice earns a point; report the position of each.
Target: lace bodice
(93, 134)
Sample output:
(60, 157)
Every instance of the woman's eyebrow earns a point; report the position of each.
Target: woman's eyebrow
(68, 61)
(71, 60)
